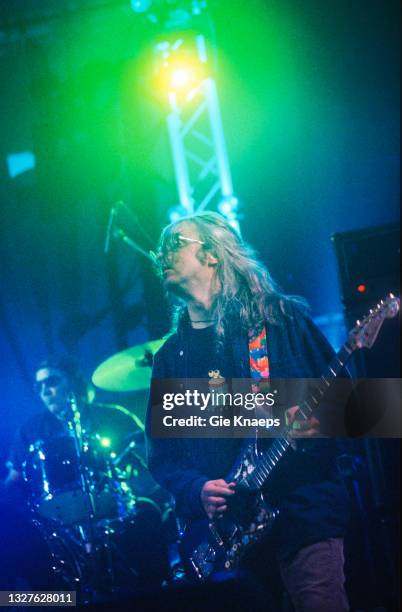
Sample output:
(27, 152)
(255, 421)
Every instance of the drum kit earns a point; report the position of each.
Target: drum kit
(105, 520)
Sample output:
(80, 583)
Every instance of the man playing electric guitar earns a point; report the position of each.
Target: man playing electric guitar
(229, 297)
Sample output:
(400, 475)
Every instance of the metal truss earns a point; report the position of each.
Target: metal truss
(200, 159)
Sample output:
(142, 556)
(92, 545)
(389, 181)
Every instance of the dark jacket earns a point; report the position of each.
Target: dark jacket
(312, 500)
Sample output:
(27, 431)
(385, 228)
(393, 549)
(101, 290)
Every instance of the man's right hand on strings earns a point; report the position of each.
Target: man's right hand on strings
(214, 496)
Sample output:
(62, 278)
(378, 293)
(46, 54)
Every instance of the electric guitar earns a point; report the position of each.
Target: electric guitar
(210, 546)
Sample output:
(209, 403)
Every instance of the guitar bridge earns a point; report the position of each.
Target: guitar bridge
(203, 560)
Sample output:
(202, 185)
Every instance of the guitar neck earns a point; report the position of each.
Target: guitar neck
(363, 335)
(335, 366)
(270, 458)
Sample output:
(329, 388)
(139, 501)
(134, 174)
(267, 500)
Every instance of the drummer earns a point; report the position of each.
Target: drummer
(57, 379)
(24, 554)
(111, 429)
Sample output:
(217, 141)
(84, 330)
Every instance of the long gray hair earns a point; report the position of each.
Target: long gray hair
(246, 287)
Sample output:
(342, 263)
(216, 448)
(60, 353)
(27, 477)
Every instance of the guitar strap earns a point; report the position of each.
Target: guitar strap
(259, 368)
(259, 362)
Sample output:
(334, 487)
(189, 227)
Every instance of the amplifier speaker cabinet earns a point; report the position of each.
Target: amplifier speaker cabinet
(368, 270)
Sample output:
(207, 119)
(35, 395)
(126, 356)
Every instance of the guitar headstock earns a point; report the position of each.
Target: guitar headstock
(365, 332)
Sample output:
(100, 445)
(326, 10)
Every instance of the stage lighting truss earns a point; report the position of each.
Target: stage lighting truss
(195, 129)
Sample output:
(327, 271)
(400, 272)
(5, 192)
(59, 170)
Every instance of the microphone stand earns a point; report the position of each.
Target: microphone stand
(121, 204)
(118, 233)
(114, 231)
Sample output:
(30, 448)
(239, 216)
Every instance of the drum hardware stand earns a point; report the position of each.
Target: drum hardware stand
(66, 564)
(124, 453)
(75, 428)
(90, 546)
(129, 450)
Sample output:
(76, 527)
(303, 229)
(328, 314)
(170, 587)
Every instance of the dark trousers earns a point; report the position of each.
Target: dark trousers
(314, 578)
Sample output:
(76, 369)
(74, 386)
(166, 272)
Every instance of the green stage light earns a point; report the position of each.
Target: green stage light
(180, 77)
(105, 442)
(179, 72)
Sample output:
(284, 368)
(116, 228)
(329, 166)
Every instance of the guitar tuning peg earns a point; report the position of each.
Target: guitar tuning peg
(371, 311)
(391, 295)
(357, 322)
(382, 302)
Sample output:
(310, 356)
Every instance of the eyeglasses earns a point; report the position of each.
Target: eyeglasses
(173, 243)
(50, 381)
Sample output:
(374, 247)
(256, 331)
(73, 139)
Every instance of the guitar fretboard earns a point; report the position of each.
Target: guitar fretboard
(268, 461)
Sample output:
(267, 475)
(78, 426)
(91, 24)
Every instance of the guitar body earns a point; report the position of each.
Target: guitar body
(209, 547)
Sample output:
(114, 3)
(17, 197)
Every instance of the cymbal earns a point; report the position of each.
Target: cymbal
(129, 370)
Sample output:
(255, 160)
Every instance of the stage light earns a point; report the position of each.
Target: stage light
(179, 72)
(105, 442)
(361, 288)
(180, 78)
